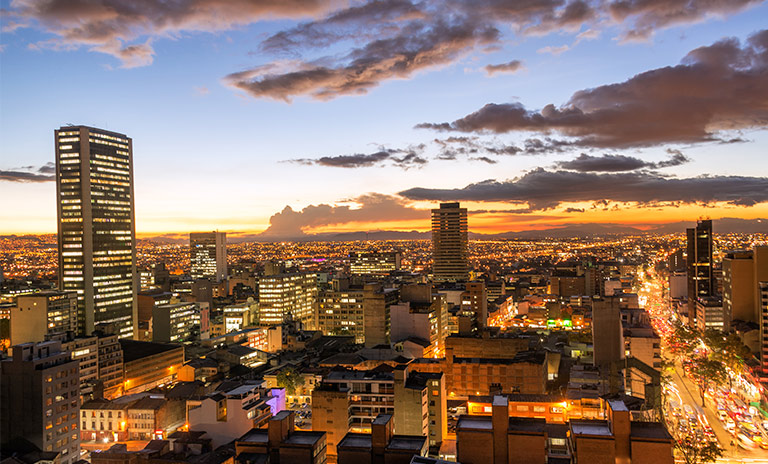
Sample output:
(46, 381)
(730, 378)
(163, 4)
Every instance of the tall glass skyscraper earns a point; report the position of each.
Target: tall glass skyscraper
(701, 279)
(96, 231)
(449, 243)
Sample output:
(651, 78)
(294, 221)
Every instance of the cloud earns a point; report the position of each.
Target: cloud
(619, 163)
(511, 67)
(373, 207)
(47, 168)
(553, 50)
(453, 147)
(411, 157)
(415, 47)
(715, 89)
(358, 22)
(23, 174)
(113, 26)
(542, 189)
(643, 17)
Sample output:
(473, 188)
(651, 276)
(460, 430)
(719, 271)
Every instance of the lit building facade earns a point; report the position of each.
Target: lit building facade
(40, 398)
(374, 264)
(701, 278)
(282, 294)
(39, 314)
(340, 312)
(96, 231)
(175, 322)
(208, 255)
(449, 243)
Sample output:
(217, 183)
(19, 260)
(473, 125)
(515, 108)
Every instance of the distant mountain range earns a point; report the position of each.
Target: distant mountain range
(720, 226)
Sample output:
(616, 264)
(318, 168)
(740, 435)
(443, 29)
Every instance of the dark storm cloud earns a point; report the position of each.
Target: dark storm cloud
(619, 163)
(717, 88)
(107, 25)
(403, 158)
(511, 67)
(543, 189)
(374, 207)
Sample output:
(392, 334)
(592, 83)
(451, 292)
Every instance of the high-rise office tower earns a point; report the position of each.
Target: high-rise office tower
(701, 280)
(39, 314)
(96, 230)
(208, 255)
(449, 243)
(282, 294)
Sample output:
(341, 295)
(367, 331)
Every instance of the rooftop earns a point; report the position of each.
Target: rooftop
(255, 436)
(412, 443)
(134, 349)
(654, 430)
(355, 440)
(474, 423)
(591, 427)
(304, 438)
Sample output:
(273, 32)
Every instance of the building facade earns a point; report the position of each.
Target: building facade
(374, 264)
(208, 255)
(96, 230)
(701, 278)
(39, 314)
(282, 294)
(40, 399)
(450, 252)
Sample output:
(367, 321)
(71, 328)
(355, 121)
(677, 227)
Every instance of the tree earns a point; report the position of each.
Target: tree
(706, 372)
(683, 340)
(696, 452)
(727, 348)
(289, 379)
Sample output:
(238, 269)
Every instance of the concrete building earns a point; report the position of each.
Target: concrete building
(175, 322)
(102, 420)
(331, 414)
(450, 244)
(474, 299)
(37, 315)
(500, 439)
(227, 415)
(96, 230)
(40, 399)
(377, 302)
(421, 404)
(149, 364)
(101, 361)
(281, 294)
(371, 393)
(381, 446)
(709, 313)
(280, 443)
(607, 331)
(374, 264)
(208, 256)
(340, 311)
(763, 307)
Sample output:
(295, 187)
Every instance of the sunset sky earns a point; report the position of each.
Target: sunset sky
(295, 117)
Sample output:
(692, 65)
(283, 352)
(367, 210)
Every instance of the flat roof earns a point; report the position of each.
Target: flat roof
(407, 442)
(382, 419)
(134, 349)
(355, 440)
(527, 424)
(255, 436)
(475, 423)
(655, 430)
(304, 437)
(591, 427)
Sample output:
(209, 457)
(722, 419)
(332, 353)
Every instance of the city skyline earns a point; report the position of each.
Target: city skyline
(302, 124)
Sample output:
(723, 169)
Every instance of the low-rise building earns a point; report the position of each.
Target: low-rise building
(280, 443)
(149, 364)
(382, 445)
